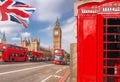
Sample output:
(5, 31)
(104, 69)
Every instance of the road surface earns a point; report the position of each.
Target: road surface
(31, 72)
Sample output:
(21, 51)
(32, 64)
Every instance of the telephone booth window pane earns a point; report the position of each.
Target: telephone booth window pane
(112, 29)
(110, 63)
(111, 38)
(110, 71)
(113, 21)
(113, 54)
(118, 29)
(112, 46)
(118, 38)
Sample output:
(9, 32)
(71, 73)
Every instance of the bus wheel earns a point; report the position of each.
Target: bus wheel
(8, 58)
(12, 60)
(25, 60)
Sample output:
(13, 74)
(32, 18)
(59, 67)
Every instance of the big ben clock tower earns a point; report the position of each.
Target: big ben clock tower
(57, 34)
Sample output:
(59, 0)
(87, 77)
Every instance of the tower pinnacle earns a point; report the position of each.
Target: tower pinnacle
(57, 24)
(3, 39)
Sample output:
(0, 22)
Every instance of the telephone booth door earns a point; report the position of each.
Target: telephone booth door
(99, 42)
(111, 50)
(108, 48)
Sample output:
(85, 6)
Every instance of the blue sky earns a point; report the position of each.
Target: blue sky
(42, 22)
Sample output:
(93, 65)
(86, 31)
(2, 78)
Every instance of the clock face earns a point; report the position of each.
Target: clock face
(56, 32)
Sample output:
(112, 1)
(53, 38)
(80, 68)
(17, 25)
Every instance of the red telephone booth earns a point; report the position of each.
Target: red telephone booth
(98, 30)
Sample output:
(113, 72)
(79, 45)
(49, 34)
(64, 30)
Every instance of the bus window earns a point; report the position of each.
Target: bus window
(16, 54)
(12, 47)
(13, 55)
(21, 55)
(58, 51)
(21, 48)
(16, 48)
(58, 57)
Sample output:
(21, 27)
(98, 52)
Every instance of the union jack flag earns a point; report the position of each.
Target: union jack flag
(15, 11)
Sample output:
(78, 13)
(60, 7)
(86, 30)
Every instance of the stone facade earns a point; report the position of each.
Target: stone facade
(73, 62)
(31, 44)
(57, 35)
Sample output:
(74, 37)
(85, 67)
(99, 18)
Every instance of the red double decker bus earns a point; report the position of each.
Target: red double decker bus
(35, 56)
(10, 52)
(59, 56)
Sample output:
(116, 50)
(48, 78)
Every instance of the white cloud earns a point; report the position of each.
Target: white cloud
(15, 38)
(71, 20)
(10, 28)
(48, 29)
(44, 45)
(68, 33)
(49, 10)
(25, 34)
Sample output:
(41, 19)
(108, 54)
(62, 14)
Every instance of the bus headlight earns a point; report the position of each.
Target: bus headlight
(4, 47)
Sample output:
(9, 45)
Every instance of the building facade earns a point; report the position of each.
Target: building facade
(31, 44)
(34, 45)
(57, 35)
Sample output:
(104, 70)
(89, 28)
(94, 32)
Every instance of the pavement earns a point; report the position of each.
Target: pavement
(32, 72)
(59, 76)
(68, 79)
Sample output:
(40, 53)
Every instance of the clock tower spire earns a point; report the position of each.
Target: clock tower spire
(57, 24)
(57, 34)
(3, 39)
